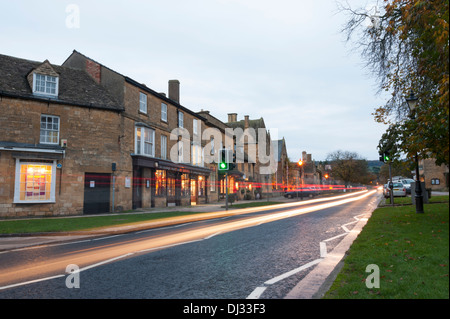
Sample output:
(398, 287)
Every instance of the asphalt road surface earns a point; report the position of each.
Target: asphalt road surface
(224, 258)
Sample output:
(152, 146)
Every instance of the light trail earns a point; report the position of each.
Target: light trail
(95, 256)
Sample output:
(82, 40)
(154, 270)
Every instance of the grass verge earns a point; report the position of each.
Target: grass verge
(43, 225)
(410, 249)
(408, 200)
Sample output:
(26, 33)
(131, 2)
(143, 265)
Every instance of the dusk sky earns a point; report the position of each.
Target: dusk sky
(285, 61)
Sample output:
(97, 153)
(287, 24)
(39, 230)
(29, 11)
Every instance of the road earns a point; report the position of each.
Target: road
(263, 254)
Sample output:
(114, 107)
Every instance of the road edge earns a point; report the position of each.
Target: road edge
(317, 282)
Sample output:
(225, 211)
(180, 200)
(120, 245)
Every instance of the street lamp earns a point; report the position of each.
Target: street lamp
(412, 104)
(300, 171)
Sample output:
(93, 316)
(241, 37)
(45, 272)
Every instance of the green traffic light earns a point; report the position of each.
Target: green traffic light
(223, 165)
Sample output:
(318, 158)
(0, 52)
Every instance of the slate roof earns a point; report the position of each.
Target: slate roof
(76, 87)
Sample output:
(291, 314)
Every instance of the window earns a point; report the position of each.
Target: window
(49, 129)
(180, 119)
(145, 138)
(212, 145)
(185, 190)
(435, 181)
(163, 147)
(45, 84)
(195, 126)
(35, 181)
(170, 186)
(164, 112)
(160, 183)
(143, 103)
(196, 151)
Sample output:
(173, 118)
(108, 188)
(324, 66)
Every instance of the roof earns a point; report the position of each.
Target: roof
(259, 123)
(76, 87)
(141, 86)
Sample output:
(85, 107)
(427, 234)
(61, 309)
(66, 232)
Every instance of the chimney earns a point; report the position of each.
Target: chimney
(232, 117)
(246, 121)
(174, 90)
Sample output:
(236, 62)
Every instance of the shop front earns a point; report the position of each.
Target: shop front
(162, 183)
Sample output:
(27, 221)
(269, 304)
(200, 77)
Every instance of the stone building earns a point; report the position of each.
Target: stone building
(255, 147)
(280, 179)
(60, 133)
(81, 138)
(435, 177)
(167, 166)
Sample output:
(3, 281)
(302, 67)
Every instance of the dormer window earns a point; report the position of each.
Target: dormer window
(45, 84)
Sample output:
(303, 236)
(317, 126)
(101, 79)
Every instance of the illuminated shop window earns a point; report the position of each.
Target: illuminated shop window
(35, 182)
(185, 191)
(160, 183)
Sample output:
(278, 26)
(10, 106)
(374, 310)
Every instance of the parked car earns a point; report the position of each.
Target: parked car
(399, 190)
(407, 183)
(303, 192)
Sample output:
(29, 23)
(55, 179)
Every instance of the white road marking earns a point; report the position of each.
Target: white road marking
(292, 272)
(257, 293)
(323, 249)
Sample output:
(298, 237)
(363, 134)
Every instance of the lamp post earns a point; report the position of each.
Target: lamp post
(412, 104)
(300, 172)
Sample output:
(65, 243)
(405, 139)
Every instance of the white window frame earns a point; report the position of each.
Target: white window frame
(47, 81)
(141, 142)
(48, 129)
(142, 102)
(163, 146)
(195, 126)
(164, 112)
(180, 119)
(197, 155)
(19, 163)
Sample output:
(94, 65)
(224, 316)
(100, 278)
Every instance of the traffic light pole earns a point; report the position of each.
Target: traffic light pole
(226, 196)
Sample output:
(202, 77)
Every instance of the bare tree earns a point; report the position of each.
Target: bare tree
(348, 167)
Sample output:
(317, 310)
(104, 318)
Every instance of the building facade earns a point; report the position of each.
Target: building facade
(81, 138)
(59, 135)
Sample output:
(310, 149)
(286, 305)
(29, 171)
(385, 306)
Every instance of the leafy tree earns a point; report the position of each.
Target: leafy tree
(406, 47)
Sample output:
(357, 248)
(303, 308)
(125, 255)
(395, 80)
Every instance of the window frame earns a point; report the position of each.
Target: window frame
(195, 126)
(180, 119)
(17, 181)
(47, 130)
(143, 104)
(45, 81)
(164, 114)
(163, 147)
(140, 143)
